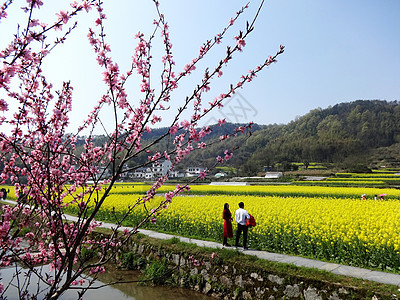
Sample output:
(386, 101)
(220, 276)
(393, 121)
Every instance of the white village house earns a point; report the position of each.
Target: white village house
(194, 171)
(161, 168)
(156, 170)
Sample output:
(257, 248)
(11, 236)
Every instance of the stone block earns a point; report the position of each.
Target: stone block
(239, 281)
(226, 281)
(246, 295)
(194, 271)
(205, 275)
(311, 294)
(256, 276)
(175, 259)
(275, 279)
(292, 291)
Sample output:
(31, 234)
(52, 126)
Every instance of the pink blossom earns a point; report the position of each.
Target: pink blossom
(221, 122)
(87, 6)
(156, 119)
(33, 23)
(169, 196)
(63, 16)
(174, 129)
(57, 27)
(36, 3)
(3, 105)
(3, 15)
(74, 4)
(97, 270)
(240, 43)
(185, 124)
(190, 67)
(202, 175)
(228, 154)
(218, 39)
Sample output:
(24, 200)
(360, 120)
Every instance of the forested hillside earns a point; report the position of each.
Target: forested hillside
(346, 132)
(358, 133)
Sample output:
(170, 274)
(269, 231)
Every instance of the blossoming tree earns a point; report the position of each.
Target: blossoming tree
(39, 157)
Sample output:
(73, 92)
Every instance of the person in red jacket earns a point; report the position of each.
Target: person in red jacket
(228, 233)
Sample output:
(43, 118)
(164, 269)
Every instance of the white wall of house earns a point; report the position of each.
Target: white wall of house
(195, 170)
(161, 168)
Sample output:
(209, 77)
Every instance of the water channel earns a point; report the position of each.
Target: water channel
(123, 291)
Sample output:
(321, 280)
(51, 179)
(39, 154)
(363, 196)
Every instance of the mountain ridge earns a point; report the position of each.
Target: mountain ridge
(340, 134)
(359, 134)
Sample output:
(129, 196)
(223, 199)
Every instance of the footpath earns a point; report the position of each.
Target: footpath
(365, 274)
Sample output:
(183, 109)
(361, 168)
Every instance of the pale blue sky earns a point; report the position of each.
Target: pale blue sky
(336, 51)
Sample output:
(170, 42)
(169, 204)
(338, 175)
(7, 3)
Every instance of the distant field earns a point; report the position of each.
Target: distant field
(269, 190)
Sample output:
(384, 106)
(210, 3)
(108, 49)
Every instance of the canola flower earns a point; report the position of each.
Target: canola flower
(331, 192)
(363, 179)
(346, 230)
(344, 183)
(322, 222)
(368, 175)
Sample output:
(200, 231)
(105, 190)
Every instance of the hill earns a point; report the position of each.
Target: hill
(355, 136)
(350, 135)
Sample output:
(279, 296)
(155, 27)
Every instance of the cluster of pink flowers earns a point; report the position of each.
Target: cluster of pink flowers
(195, 262)
(42, 162)
(97, 270)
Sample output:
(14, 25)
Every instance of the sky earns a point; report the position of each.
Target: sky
(335, 51)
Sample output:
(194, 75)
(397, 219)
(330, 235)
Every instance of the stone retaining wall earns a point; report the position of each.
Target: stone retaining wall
(209, 274)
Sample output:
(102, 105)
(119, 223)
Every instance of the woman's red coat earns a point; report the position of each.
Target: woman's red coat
(227, 216)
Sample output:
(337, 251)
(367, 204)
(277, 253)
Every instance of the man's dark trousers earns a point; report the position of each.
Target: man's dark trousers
(239, 230)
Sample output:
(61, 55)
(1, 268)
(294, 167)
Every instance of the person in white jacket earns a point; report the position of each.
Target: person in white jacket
(240, 217)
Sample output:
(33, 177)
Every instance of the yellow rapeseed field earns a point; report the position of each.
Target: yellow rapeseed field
(350, 230)
(331, 223)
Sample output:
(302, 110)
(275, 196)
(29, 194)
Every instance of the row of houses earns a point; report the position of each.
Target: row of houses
(162, 168)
